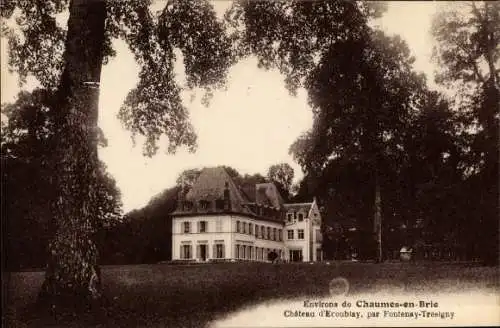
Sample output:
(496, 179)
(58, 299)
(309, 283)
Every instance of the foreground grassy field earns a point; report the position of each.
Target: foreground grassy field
(192, 296)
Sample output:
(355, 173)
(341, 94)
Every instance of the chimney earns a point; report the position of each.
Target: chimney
(181, 196)
(227, 198)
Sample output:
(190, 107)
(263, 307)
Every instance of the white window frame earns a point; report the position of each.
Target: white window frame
(186, 227)
(299, 233)
(187, 249)
(219, 251)
(205, 226)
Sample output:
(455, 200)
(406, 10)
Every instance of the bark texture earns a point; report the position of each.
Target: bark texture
(72, 274)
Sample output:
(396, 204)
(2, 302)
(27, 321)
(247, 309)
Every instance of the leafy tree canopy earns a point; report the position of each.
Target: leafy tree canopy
(37, 42)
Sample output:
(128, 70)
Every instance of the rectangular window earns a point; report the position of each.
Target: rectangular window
(187, 227)
(250, 229)
(268, 233)
(202, 226)
(218, 225)
(280, 235)
(290, 234)
(186, 251)
(275, 234)
(244, 227)
(257, 230)
(289, 217)
(300, 234)
(238, 227)
(219, 251)
(188, 206)
(262, 232)
(204, 205)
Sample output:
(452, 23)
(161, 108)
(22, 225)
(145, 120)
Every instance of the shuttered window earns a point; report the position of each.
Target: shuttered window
(185, 252)
(187, 227)
(218, 251)
(202, 226)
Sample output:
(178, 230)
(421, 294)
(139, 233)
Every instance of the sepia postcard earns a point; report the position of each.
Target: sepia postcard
(250, 163)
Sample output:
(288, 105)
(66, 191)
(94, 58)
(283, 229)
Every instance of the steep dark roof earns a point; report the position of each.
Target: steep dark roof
(267, 194)
(298, 206)
(210, 186)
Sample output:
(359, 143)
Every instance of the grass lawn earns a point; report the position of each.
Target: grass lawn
(193, 295)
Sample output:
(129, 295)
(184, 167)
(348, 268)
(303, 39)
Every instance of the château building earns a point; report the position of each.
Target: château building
(218, 220)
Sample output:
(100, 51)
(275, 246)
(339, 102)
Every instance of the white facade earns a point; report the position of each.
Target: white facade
(206, 237)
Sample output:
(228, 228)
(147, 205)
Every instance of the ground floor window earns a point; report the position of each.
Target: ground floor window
(295, 255)
(202, 252)
(185, 251)
(219, 251)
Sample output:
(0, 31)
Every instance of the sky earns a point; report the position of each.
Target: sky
(249, 126)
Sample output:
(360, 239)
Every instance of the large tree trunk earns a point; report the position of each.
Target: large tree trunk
(377, 219)
(72, 275)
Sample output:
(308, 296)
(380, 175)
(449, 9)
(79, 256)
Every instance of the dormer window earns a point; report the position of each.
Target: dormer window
(300, 217)
(204, 205)
(188, 206)
(289, 217)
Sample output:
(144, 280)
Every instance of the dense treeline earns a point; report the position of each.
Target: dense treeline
(402, 163)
